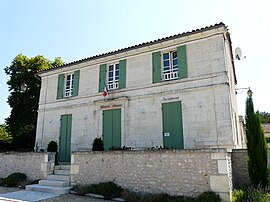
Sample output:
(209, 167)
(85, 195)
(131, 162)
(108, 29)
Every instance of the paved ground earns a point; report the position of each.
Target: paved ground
(62, 198)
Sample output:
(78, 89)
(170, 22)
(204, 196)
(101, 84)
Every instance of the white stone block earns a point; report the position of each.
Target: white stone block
(44, 167)
(74, 169)
(218, 155)
(222, 167)
(219, 183)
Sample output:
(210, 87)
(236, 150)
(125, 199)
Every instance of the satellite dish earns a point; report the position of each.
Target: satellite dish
(238, 53)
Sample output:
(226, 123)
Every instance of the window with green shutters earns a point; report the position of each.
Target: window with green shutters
(112, 75)
(68, 85)
(169, 65)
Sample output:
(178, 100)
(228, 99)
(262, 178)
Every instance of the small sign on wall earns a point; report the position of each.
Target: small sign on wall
(110, 106)
(166, 134)
(172, 98)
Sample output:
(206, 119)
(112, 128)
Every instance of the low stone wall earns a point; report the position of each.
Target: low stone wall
(240, 167)
(34, 165)
(176, 172)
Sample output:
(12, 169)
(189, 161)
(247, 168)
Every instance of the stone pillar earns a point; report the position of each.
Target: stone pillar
(47, 166)
(74, 170)
(221, 183)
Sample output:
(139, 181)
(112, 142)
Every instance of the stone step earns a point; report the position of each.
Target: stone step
(58, 177)
(62, 172)
(48, 189)
(62, 167)
(54, 183)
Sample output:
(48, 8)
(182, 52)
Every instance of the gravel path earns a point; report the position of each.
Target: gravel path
(62, 198)
(8, 189)
(73, 198)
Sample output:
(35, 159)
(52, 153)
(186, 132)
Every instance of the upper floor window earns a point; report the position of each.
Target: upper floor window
(113, 77)
(170, 66)
(69, 84)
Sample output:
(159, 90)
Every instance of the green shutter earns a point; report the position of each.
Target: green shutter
(156, 65)
(116, 141)
(76, 82)
(60, 88)
(122, 73)
(102, 77)
(182, 62)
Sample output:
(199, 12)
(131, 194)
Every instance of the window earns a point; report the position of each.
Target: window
(69, 83)
(113, 77)
(169, 66)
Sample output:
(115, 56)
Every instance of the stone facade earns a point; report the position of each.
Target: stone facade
(207, 95)
(176, 172)
(34, 165)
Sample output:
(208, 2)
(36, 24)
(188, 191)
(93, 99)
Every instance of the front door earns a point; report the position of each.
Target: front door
(172, 125)
(65, 138)
(111, 128)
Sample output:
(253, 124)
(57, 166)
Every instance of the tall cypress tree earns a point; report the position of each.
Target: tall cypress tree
(256, 147)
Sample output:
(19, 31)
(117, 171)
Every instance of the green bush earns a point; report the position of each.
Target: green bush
(52, 146)
(107, 189)
(81, 189)
(14, 179)
(98, 145)
(246, 195)
(209, 196)
(130, 196)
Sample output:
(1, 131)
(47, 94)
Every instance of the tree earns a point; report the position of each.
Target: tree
(256, 147)
(265, 117)
(21, 123)
(5, 138)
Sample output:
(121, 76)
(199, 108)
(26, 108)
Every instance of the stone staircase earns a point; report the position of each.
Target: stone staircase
(57, 183)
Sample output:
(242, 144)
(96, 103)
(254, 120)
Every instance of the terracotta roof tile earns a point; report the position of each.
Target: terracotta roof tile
(266, 127)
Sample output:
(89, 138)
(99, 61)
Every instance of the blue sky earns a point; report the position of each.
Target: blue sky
(78, 29)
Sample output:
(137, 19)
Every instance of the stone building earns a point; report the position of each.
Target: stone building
(175, 92)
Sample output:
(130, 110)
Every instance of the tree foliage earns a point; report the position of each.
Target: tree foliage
(265, 117)
(5, 137)
(21, 123)
(256, 146)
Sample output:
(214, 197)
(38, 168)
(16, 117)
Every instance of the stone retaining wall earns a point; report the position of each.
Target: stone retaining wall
(240, 167)
(176, 172)
(34, 165)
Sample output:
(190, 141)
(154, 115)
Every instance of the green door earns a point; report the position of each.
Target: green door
(65, 138)
(111, 128)
(172, 125)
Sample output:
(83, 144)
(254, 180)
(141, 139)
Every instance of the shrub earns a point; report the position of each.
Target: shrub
(14, 179)
(245, 195)
(52, 146)
(97, 145)
(130, 196)
(81, 189)
(209, 196)
(107, 189)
